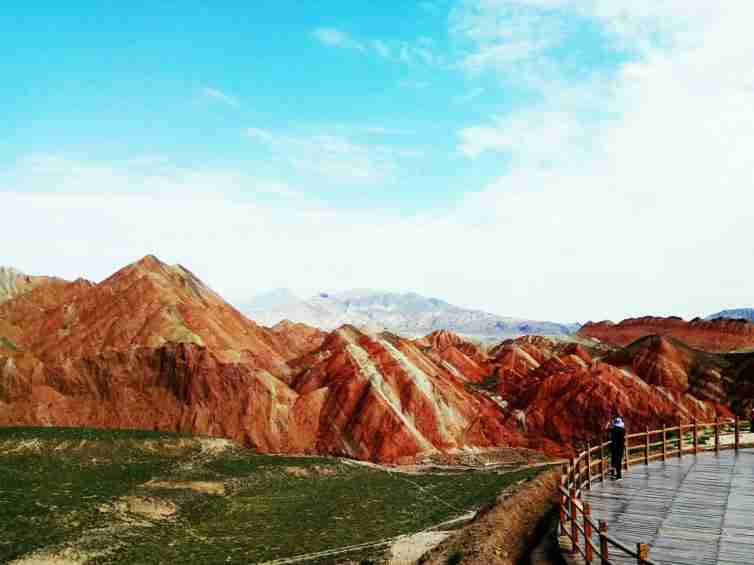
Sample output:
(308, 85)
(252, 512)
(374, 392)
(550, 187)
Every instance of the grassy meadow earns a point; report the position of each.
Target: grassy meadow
(107, 496)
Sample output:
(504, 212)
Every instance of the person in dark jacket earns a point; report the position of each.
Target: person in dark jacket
(617, 445)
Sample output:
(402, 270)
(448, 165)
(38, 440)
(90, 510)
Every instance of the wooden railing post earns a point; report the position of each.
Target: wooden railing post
(696, 437)
(573, 470)
(603, 543)
(664, 443)
(646, 447)
(626, 453)
(588, 465)
(738, 434)
(574, 524)
(717, 434)
(603, 467)
(563, 503)
(587, 532)
(680, 438)
(643, 550)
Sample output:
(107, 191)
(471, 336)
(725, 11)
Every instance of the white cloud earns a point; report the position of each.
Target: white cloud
(381, 48)
(626, 194)
(421, 51)
(153, 175)
(334, 157)
(220, 96)
(336, 38)
(630, 192)
(237, 242)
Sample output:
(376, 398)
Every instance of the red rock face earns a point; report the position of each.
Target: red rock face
(152, 347)
(720, 335)
(147, 304)
(456, 354)
(571, 404)
(177, 387)
(297, 339)
(387, 400)
(14, 283)
(565, 396)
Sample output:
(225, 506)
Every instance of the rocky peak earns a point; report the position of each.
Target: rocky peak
(174, 282)
(442, 339)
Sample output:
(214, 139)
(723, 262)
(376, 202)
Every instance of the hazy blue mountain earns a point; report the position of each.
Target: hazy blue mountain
(407, 314)
(272, 299)
(735, 313)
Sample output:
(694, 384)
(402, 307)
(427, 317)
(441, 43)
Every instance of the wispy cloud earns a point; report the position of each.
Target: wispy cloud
(148, 174)
(381, 48)
(420, 51)
(661, 129)
(333, 37)
(335, 157)
(220, 96)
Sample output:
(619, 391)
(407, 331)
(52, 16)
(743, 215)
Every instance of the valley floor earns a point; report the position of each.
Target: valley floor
(74, 496)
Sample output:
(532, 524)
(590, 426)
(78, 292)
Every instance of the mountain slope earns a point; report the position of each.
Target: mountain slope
(565, 395)
(146, 304)
(15, 283)
(720, 335)
(734, 314)
(409, 314)
(152, 347)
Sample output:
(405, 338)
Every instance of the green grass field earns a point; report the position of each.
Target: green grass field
(101, 496)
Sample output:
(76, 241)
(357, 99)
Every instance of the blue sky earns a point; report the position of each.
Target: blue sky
(386, 140)
(185, 80)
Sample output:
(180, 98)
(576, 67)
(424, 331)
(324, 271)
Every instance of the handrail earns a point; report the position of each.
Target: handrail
(578, 474)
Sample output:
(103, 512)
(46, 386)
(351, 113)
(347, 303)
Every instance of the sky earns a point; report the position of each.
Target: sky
(565, 160)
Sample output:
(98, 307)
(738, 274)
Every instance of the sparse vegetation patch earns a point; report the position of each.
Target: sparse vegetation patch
(109, 496)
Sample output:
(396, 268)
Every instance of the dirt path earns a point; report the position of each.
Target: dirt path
(505, 533)
(404, 546)
(378, 544)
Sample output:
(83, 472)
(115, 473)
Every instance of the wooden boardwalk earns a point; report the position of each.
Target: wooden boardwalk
(695, 510)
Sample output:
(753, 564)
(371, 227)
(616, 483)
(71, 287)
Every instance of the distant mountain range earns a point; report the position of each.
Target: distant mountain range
(736, 314)
(407, 314)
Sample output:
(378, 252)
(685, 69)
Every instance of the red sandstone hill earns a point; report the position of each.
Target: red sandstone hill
(386, 397)
(563, 394)
(720, 335)
(463, 358)
(15, 283)
(146, 304)
(153, 347)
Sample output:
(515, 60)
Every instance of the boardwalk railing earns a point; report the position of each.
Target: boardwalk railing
(592, 465)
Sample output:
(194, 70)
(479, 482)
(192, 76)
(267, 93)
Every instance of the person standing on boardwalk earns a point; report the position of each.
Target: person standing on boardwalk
(617, 445)
(751, 418)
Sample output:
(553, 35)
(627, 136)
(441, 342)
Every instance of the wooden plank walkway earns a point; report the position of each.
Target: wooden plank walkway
(695, 510)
